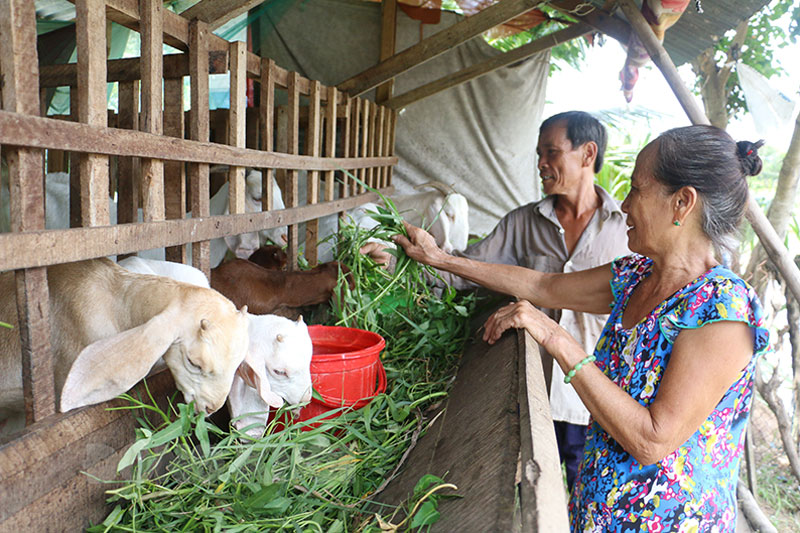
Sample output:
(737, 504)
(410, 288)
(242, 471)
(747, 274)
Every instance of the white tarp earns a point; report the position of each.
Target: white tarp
(480, 136)
(771, 109)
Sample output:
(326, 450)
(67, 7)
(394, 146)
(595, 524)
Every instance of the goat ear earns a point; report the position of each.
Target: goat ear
(243, 310)
(108, 367)
(300, 319)
(254, 376)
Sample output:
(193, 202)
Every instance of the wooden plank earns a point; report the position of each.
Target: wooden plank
(50, 247)
(218, 12)
(388, 40)
(129, 69)
(174, 176)
(74, 166)
(597, 18)
(266, 113)
(128, 182)
(330, 140)
(292, 139)
(351, 142)
(198, 131)
(392, 132)
(489, 65)
(436, 44)
(366, 132)
(26, 131)
(237, 123)
(312, 185)
(19, 67)
(372, 149)
(380, 135)
(151, 12)
(90, 15)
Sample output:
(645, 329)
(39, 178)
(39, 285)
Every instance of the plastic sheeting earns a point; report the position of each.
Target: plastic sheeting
(479, 137)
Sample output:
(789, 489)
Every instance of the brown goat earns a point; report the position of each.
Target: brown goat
(265, 290)
(270, 257)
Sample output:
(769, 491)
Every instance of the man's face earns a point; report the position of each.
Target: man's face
(560, 164)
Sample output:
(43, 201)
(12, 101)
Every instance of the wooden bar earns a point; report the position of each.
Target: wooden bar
(90, 15)
(237, 123)
(174, 175)
(388, 40)
(19, 67)
(151, 12)
(267, 124)
(24, 130)
(128, 182)
(380, 131)
(74, 165)
(436, 44)
(366, 132)
(292, 147)
(346, 143)
(198, 131)
(218, 12)
(392, 132)
(330, 140)
(313, 149)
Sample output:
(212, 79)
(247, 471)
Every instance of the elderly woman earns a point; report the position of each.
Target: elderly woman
(670, 383)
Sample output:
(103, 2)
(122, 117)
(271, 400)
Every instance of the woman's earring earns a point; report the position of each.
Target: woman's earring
(676, 222)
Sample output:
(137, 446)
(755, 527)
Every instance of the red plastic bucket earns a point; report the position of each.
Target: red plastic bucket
(346, 370)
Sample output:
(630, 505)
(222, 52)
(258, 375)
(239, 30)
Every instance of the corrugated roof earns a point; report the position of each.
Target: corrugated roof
(694, 32)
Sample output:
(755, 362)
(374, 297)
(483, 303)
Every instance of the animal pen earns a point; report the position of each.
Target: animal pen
(163, 158)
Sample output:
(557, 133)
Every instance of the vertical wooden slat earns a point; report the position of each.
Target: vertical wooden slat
(330, 139)
(313, 149)
(379, 142)
(266, 122)
(346, 132)
(198, 131)
(20, 71)
(152, 67)
(91, 15)
(74, 166)
(237, 121)
(355, 143)
(174, 178)
(388, 38)
(366, 133)
(127, 167)
(392, 130)
(292, 138)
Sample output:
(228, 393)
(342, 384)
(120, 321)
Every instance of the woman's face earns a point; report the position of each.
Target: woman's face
(648, 206)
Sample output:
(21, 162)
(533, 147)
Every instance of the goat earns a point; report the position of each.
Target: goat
(443, 212)
(277, 365)
(109, 327)
(267, 290)
(270, 256)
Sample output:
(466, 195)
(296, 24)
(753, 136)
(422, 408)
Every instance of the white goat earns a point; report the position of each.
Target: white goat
(277, 365)
(109, 327)
(443, 212)
(57, 215)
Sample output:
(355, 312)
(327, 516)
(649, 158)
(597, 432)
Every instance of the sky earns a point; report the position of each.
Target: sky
(596, 86)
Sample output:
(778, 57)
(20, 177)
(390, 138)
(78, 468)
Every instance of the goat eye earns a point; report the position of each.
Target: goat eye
(194, 365)
(282, 373)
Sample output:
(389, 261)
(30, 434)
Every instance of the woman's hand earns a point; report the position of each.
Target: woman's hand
(521, 314)
(377, 252)
(419, 245)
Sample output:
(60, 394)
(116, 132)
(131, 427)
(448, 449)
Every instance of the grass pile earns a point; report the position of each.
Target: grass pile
(187, 474)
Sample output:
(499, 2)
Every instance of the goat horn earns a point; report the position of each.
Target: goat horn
(300, 319)
(204, 323)
(439, 186)
(279, 338)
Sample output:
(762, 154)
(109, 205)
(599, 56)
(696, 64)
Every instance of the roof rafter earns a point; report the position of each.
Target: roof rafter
(217, 12)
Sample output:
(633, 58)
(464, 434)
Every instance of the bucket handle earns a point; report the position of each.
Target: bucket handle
(380, 388)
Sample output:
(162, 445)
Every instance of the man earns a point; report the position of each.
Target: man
(578, 225)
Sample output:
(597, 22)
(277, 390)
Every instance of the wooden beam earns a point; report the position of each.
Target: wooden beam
(293, 147)
(266, 114)
(388, 40)
(435, 45)
(487, 66)
(597, 18)
(152, 12)
(773, 244)
(198, 131)
(19, 67)
(312, 181)
(174, 175)
(25, 131)
(217, 12)
(237, 122)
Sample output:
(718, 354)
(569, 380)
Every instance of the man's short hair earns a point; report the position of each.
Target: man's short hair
(581, 128)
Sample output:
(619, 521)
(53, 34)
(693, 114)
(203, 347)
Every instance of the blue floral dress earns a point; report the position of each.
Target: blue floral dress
(694, 488)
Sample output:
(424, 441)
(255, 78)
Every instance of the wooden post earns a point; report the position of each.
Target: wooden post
(366, 133)
(151, 27)
(174, 177)
(392, 130)
(388, 40)
(330, 139)
(128, 182)
(372, 172)
(237, 122)
(90, 15)
(312, 185)
(267, 124)
(761, 225)
(74, 165)
(198, 131)
(293, 134)
(355, 124)
(20, 71)
(379, 143)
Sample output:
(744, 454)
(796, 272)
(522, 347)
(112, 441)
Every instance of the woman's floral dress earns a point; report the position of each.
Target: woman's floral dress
(694, 488)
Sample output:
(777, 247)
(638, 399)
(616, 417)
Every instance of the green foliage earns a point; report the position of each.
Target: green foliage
(187, 474)
(765, 35)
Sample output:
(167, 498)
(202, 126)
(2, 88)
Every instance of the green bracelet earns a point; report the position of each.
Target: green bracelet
(571, 373)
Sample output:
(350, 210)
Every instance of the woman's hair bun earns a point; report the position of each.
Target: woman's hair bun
(748, 156)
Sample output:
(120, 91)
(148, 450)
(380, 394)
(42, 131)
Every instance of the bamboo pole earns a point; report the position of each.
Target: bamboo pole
(761, 225)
